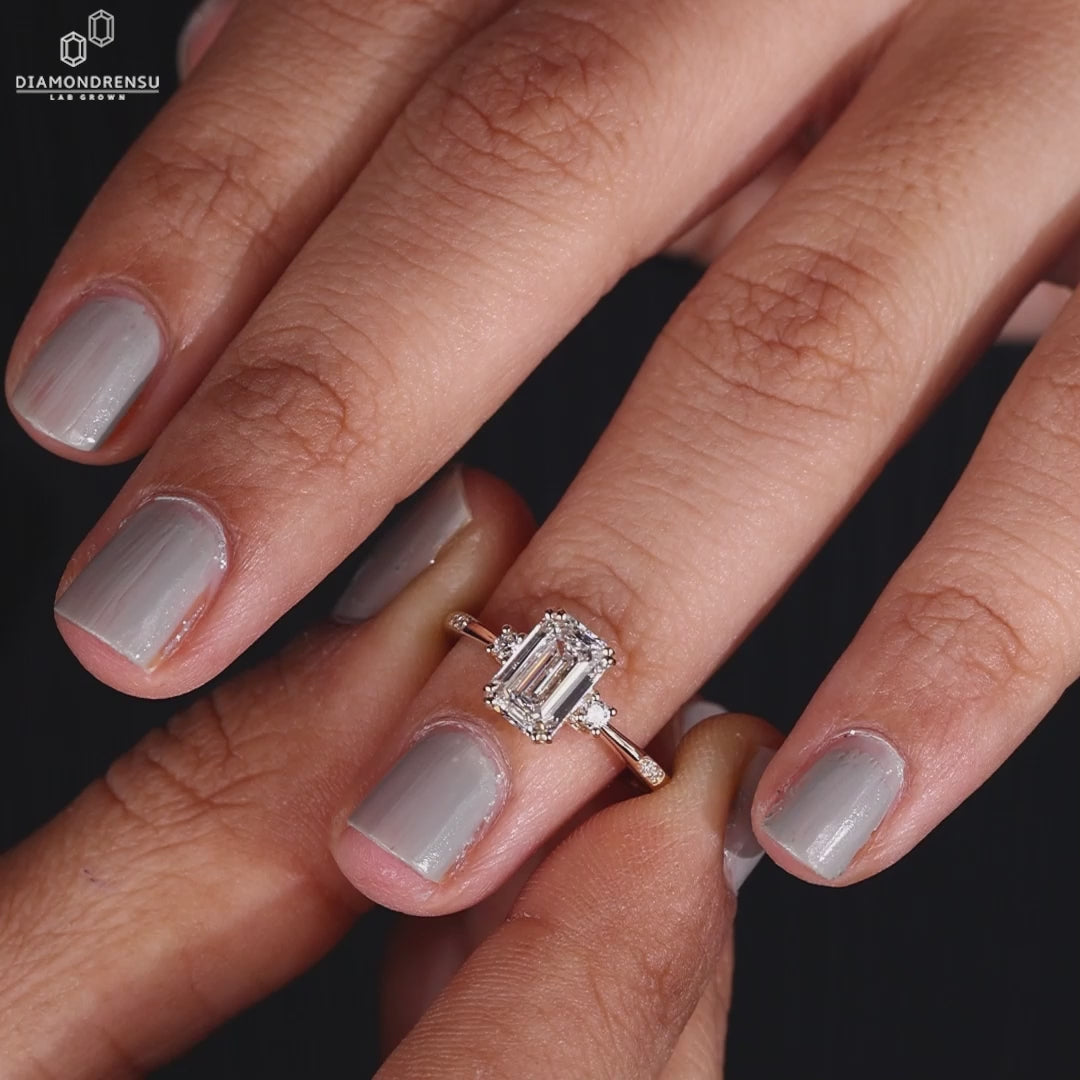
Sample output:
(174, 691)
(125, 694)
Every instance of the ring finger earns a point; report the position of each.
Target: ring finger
(806, 355)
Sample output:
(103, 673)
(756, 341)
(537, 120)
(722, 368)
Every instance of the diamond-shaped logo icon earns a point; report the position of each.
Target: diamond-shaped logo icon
(101, 28)
(73, 49)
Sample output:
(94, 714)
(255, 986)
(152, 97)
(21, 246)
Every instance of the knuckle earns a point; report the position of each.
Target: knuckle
(608, 578)
(300, 397)
(799, 339)
(545, 99)
(968, 639)
(207, 768)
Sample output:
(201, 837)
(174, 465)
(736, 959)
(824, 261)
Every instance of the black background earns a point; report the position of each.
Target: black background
(957, 962)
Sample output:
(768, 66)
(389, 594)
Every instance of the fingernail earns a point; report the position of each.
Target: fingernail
(742, 852)
(149, 584)
(198, 33)
(434, 803)
(408, 549)
(88, 372)
(830, 812)
(692, 713)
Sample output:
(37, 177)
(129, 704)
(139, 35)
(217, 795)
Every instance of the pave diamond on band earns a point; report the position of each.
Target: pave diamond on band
(548, 678)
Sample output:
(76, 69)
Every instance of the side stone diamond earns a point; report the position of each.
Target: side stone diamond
(592, 715)
(508, 639)
(651, 773)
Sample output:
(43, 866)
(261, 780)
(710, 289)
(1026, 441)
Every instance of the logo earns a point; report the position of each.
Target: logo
(74, 52)
(100, 31)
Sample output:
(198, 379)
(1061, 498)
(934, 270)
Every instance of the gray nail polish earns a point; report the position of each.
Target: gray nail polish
(408, 549)
(89, 371)
(830, 812)
(434, 802)
(742, 852)
(146, 587)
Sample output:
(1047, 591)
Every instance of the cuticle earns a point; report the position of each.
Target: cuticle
(120, 286)
(468, 725)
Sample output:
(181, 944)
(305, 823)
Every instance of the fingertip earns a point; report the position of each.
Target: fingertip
(111, 668)
(380, 875)
(724, 756)
(493, 498)
(720, 746)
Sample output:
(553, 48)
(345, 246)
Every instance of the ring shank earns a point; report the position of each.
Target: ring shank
(464, 624)
(647, 769)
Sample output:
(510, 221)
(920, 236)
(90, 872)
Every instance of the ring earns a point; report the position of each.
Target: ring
(548, 678)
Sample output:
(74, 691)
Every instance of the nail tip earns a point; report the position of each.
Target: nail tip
(408, 550)
(85, 376)
(151, 581)
(421, 869)
(135, 658)
(693, 713)
(738, 868)
(74, 440)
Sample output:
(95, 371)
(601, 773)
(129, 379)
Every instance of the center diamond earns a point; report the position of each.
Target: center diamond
(548, 675)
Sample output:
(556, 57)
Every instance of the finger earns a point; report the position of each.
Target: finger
(606, 953)
(700, 1052)
(423, 954)
(806, 355)
(348, 387)
(714, 234)
(194, 878)
(210, 205)
(200, 31)
(970, 644)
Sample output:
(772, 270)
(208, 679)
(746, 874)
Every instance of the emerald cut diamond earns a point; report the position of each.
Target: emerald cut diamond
(547, 677)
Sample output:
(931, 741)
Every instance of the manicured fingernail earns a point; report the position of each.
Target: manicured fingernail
(434, 803)
(88, 372)
(830, 812)
(408, 549)
(692, 713)
(149, 584)
(742, 852)
(199, 31)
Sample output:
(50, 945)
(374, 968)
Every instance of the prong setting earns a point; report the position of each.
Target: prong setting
(548, 676)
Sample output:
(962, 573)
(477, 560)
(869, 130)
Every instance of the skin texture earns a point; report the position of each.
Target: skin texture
(150, 892)
(379, 302)
(194, 877)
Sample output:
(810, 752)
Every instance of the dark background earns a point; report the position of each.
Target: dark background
(959, 961)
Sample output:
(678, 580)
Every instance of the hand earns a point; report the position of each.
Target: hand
(332, 264)
(194, 878)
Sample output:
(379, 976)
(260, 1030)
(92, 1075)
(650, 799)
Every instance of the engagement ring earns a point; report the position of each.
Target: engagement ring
(548, 678)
